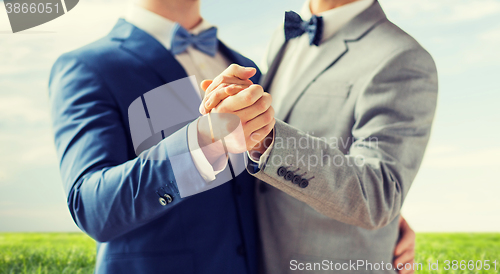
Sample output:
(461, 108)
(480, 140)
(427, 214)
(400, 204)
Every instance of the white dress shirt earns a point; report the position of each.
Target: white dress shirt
(298, 53)
(196, 63)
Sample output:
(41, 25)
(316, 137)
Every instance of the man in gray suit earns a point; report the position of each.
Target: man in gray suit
(354, 98)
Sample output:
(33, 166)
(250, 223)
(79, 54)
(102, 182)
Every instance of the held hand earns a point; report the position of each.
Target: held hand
(231, 81)
(249, 102)
(404, 253)
(253, 107)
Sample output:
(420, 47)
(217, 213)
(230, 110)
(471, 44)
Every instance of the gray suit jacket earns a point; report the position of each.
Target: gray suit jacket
(357, 123)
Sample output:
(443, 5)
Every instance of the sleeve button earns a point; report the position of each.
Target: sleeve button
(304, 183)
(281, 171)
(163, 202)
(289, 176)
(168, 198)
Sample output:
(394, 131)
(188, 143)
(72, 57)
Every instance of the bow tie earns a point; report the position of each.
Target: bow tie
(295, 27)
(206, 41)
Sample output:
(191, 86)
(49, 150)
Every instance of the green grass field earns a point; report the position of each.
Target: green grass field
(74, 252)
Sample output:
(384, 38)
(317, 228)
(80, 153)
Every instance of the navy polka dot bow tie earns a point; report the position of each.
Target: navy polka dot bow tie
(295, 27)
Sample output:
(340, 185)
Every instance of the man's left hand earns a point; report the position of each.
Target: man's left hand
(404, 253)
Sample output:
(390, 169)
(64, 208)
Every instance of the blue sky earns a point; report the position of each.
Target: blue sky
(456, 189)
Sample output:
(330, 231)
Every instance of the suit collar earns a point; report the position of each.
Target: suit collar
(146, 48)
(363, 23)
(335, 19)
(331, 51)
(161, 28)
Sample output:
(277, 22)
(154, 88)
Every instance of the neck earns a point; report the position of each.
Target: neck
(319, 6)
(184, 12)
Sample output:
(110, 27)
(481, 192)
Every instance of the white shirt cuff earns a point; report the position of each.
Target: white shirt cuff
(261, 159)
(206, 170)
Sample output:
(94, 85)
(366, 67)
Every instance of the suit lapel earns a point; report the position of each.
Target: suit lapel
(146, 48)
(330, 52)
(149, 50)
(278, 52)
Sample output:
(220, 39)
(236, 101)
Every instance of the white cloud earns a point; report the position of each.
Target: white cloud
(47, 218)
(491, 36)
(4, 176)
(433, 151)
(454, 157)
(471, 10)
(35, 153)
(444, 11)
(31, 212)
(476, 51)
(411, 8)
(35, 149)
(24, 108)
(445, 216)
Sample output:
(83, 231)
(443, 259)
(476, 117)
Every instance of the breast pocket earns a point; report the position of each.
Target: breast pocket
(328, 89)
(321, 103)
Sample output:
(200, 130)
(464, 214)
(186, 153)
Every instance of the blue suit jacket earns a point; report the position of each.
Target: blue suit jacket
(112, 194)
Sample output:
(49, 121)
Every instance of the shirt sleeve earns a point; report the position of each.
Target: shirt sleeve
(206, 170)
(258, 158)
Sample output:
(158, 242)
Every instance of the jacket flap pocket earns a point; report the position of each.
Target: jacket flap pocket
(324, 88)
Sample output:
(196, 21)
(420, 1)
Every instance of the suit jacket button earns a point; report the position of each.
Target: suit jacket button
(296, 179)
(163, 202)
(281, 171)
(168, 198)
(304, 183)
(289, 176)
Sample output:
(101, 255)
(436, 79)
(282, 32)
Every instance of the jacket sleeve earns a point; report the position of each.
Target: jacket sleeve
(366, 187)
(109, 193)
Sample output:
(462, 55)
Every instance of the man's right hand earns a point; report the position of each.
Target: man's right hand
(249, 106)
(231, 81)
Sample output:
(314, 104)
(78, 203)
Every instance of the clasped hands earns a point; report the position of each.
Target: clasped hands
(240, 112)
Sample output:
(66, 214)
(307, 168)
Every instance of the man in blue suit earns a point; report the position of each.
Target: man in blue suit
(134, 207)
